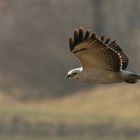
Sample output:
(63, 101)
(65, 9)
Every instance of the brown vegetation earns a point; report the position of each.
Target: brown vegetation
(107, 111)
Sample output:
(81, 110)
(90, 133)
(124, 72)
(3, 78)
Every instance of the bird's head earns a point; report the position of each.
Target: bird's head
(74, 74)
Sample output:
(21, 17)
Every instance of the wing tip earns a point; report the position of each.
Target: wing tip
(80, 35)
(71, 43)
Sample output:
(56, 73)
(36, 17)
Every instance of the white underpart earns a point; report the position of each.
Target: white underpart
(100, 76)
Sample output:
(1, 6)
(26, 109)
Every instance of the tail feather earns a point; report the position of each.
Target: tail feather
(129, 77)
(136, 76)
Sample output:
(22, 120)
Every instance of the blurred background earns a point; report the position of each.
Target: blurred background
(36, 99)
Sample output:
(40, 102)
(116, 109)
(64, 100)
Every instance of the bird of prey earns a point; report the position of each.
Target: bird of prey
(102, 61)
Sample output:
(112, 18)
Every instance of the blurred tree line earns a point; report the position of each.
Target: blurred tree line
(34, 53)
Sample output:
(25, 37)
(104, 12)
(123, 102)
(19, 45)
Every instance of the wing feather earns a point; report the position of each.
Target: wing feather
(94, 51)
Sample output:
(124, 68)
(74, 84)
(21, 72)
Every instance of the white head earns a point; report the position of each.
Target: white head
(75, 74)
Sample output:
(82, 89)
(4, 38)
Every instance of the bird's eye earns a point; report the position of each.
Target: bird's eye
(74, 73)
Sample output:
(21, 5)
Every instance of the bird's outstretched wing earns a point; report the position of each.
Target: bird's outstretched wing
(94, 51)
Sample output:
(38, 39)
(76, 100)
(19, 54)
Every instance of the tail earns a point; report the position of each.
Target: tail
(130, 77)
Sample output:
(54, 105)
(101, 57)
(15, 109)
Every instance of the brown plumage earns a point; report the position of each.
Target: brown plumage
(93, 51)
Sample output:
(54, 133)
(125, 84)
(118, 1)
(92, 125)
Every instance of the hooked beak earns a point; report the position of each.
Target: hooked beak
(68, 76)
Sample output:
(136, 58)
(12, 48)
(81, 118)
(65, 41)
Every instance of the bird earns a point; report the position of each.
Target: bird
(102, 60)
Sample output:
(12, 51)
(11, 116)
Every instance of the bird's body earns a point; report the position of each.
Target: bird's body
(99, 76)
(102, 61)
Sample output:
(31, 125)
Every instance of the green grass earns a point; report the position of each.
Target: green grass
(115, 107)
(118, 104)
(66, 137)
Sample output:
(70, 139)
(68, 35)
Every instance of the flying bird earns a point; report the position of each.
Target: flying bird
(102, 60)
